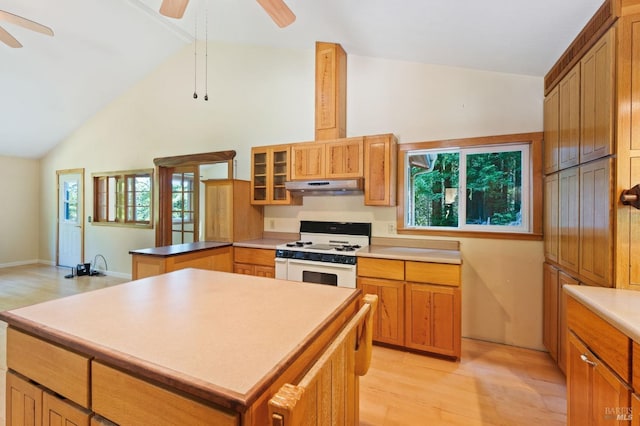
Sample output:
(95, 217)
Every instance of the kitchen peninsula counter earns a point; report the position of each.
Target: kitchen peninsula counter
(211, 255)
(201, 341)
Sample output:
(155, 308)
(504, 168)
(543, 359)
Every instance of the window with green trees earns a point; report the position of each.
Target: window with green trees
(480, 188)
(123, 198)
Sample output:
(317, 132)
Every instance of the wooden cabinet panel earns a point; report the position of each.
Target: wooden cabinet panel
(578, 384)
(563, 279)
(569, 124)
(344, 158)
(432, 273)
(596, 96)
(244, 268)
(389, 318)
(380, 169)
(551, 217)
(594, 394)
(596, 242)
(24, 402)
(569, 220)
(433, 318)
(611, 398)
(264, 271)
(635, 408)
(125, 399)
(551, 131)
(331, 91)
(381, 268)
(550, 297)
(308, 161)
(229, 215)
(58, 369)
(58, 412)
(631, 217)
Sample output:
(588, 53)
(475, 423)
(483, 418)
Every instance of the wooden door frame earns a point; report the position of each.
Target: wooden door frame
(165, 167)
(58, 174)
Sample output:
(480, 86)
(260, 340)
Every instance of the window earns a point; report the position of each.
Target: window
(123, 198)
(480, 185)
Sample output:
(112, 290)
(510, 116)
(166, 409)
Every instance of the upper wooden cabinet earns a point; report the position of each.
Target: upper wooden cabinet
(331, 91)
(344, 158)
(337, 159)
(551, 131)
(270, 167)
(596, 99)
(380, 170)
(229, 215)
(596, 223)
(569, 119)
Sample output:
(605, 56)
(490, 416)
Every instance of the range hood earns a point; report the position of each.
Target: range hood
(325, 187)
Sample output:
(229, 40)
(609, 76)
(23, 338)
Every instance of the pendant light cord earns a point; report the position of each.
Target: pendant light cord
(195, 59)
(206, 52)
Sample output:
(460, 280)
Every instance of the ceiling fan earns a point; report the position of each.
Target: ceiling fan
(10, 40)
(277, 9)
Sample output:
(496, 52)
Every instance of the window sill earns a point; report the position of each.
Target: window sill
(472, 234)
(124, 225)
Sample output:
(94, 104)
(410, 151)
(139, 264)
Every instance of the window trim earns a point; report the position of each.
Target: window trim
(121, 177)
(535, 157)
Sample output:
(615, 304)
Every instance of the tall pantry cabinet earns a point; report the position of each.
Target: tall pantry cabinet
(592, 155)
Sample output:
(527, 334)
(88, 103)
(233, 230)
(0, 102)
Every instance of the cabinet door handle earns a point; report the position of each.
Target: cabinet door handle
(631, 197)
(586, 359)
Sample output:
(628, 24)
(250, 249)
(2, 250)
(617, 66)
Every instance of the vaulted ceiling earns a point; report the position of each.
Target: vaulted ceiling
(100, 48)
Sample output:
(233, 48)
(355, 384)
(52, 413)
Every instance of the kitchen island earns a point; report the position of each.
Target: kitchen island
(187, 347)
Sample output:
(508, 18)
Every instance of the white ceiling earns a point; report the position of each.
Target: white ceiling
(101, 48)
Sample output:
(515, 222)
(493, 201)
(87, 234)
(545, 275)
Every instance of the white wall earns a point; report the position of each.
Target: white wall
(260, 96)
(20, 224)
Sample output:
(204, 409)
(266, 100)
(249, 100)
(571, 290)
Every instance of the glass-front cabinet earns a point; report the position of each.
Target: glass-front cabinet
(269, 172)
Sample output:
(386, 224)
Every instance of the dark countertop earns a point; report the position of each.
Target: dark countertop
(178, 249)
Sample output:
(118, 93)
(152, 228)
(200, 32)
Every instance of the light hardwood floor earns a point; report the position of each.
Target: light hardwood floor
(492, 385)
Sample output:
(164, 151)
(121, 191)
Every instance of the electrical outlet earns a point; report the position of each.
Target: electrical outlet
(391, 228)
(272, 224)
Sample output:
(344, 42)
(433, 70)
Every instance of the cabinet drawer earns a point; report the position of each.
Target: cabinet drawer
(603, 339)
(433, 273)
(125, 399)
(381, 268)
(62, 371)
(252, 256)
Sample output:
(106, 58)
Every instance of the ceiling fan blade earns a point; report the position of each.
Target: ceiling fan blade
(279, 12)
(8, 39)
(24, 22)
(173, 8)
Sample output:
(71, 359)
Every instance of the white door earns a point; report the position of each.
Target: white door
(70, 214)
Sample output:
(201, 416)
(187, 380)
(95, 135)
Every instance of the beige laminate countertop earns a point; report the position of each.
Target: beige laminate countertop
(262, 243)
(222, 336)
(411, 253)
(620, 308)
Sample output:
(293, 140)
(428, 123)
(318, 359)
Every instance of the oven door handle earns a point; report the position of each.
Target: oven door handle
(322, 264)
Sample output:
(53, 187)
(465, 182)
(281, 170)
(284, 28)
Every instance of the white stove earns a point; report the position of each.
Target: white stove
(325, 253)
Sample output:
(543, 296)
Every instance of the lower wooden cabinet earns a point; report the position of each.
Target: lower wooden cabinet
(433, 318)
(389, 326)
(29, 404)
(595, 395)
(554, 331)
(253, 261)
(419, 303)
